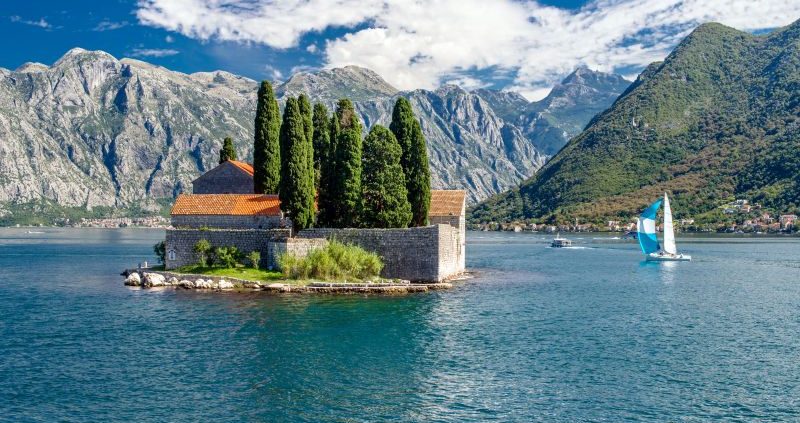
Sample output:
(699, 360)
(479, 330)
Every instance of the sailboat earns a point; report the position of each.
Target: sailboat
(646, 229)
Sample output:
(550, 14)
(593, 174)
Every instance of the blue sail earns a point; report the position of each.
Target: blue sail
(646, 229)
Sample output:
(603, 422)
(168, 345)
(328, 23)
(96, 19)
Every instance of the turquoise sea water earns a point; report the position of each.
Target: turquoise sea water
(540, 334)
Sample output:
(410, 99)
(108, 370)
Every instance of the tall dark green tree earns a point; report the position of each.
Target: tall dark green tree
(327, 201)
(321, 140)
(308, 119)
(227, 152)
(266, 145)
(383, 182)
(347, 180)
(414, 160)
(296, 190)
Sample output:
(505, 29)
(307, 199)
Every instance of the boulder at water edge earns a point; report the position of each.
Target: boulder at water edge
(133, 279)
(153, 280)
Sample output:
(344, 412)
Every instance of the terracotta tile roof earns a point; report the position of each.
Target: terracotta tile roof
(227, 204)
(447, 202)
(247, 167)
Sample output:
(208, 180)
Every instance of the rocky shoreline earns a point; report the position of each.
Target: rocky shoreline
(145, 278)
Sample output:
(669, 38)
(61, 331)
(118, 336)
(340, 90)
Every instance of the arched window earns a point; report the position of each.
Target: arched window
(171, 255)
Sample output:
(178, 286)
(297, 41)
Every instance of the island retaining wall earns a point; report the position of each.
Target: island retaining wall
(430, 253)
(180, 243)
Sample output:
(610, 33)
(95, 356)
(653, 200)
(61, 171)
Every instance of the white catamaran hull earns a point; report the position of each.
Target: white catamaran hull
(668, 257)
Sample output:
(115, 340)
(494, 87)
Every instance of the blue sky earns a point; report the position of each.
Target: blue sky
(520, 45)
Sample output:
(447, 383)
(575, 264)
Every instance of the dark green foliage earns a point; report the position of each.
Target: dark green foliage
(202, 248)
(346, 190)
(161, 251)
(227, 257)
(328, 204)
(414, 160)
(227, 152)
(383, 182)
(308, 118)
(321, 140)
(266, 147)
(297, 168)
(717, 120)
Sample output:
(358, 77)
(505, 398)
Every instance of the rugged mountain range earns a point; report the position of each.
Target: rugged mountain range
(718, 118)
(92, 131)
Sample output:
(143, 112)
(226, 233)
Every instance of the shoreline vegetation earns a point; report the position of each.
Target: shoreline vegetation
(335, 268)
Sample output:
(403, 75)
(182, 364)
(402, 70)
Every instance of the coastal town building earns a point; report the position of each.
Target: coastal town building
(254, 222)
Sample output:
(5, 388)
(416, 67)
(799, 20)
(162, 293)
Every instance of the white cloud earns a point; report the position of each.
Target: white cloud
(41, 23)
(107, 25)
(420, 44)
(153, 52)
(312, 48)
(274, 72)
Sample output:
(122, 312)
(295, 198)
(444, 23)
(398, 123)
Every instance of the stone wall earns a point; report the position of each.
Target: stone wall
(180, 243)
(460, 223)
(224, 179)
(431, 253)
(299, 247)
(228, 221)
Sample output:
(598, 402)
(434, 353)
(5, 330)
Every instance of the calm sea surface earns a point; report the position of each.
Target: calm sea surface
(540, 334)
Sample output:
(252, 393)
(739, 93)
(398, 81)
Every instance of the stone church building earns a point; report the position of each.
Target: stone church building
(224, 211)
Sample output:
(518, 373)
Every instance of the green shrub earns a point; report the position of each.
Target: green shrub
(255, 258)
(227, 257)
(335, 261)
(202, 249)
(161, 251)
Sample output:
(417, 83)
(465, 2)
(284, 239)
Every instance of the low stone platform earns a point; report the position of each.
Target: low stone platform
(146, 278)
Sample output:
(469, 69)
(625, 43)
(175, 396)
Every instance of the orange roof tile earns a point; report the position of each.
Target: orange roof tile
(247, 167)
(447, 202)
(227, 204)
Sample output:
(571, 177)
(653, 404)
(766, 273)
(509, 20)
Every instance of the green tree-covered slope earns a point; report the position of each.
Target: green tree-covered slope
(718, 118)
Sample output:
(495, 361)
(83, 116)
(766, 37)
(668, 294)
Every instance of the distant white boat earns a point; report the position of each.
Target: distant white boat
(559, 242)
(646, 233)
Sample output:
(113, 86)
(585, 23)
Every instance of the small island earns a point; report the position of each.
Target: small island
(319, 210)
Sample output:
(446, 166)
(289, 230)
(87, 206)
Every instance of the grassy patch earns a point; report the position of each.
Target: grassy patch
(246, 273)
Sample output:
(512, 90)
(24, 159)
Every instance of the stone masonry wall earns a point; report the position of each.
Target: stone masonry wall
(224, 179)
(427, 254)
(180, 243)
(228, 221)
(460, 223)
(299, 247)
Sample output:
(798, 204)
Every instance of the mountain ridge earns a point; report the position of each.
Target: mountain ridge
(92, 131)
(715, 120)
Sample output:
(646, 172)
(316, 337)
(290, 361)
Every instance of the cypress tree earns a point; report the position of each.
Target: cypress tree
(321, 141)
(383, 183)
(305, 110)
(328, 177)
(296, 190)
(266, 145)
(347, 180)
(227, 152)
(414, 160)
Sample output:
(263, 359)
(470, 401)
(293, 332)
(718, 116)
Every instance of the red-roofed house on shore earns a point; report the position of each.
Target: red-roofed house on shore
(230, 177)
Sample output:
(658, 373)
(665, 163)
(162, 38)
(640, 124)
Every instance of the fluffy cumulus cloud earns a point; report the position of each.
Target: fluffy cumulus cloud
(422, 43)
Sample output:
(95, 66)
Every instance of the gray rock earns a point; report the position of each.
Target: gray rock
(223, 285)
(153, 280)
(187, 284)
(133, 279)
